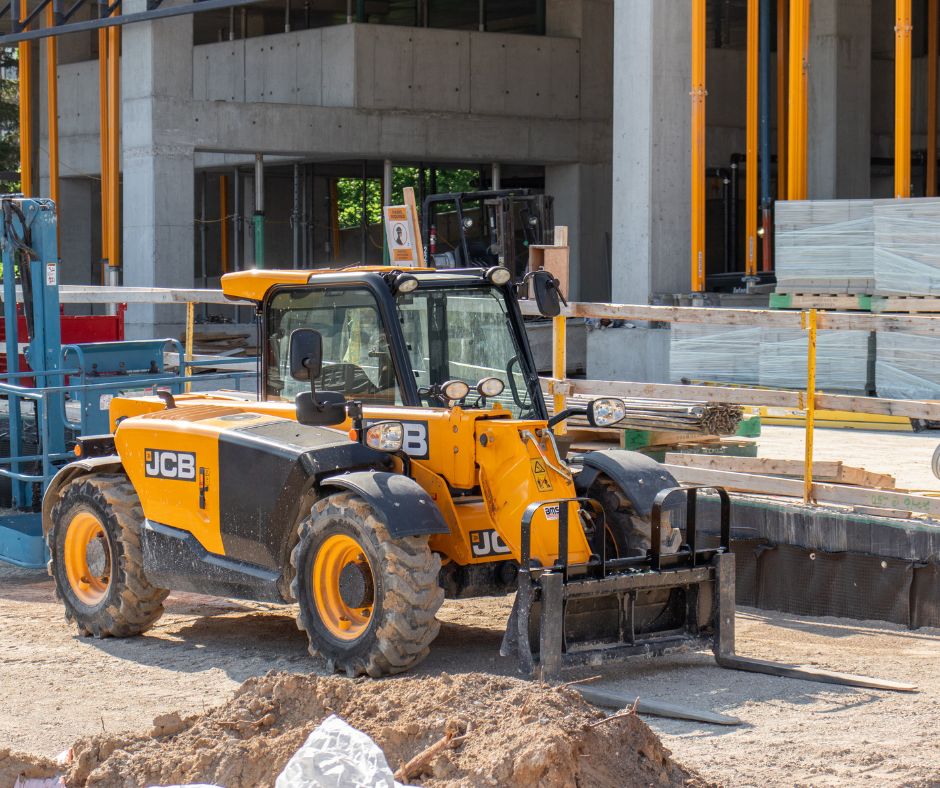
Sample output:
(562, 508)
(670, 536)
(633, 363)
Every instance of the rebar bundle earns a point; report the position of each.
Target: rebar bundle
(644, 414)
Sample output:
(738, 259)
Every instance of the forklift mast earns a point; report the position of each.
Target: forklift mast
(488, 228)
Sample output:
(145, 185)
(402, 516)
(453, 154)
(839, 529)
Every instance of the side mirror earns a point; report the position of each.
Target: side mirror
(306, 354)
(547, 297)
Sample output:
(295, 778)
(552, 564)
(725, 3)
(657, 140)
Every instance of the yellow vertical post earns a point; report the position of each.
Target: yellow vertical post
(750, 200)
(698, 146)
(798, 58)
(114, 148)
(783, 24)
(223, 222)
(559, 368)
(932, 35)
(190, 328)
(103, 143)
(52, 110)
(809, 323)
(25, 73)
(902, 99)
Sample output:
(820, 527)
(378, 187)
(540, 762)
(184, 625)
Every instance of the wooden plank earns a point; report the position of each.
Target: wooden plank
(875, 511)
(734, 396)
(793, 488)
(913, 409)
(823, 470)
(770, 318)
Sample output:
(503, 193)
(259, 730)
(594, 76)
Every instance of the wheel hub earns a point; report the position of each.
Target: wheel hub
(87, 558)
(355, 584)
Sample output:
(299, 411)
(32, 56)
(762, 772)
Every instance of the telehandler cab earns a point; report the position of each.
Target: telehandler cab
(400, 451)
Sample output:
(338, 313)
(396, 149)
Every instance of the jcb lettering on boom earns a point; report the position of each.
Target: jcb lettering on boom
(160, 464)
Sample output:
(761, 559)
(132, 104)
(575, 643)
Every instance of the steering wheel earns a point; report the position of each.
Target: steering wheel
(346, 378)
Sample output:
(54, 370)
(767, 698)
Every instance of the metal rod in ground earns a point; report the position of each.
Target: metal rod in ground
(610, 699)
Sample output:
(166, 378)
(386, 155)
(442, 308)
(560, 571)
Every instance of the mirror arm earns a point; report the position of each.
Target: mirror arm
(567, 413)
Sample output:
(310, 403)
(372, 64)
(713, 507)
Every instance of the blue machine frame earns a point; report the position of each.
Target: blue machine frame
(72, 378)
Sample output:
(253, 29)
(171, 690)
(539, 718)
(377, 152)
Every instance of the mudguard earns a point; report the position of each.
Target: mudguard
(73, 470)
(400, 502)
(639, 477)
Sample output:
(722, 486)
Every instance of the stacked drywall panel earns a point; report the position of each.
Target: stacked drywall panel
(723, 354)
(907, 246)
(906, 365)
(844, 360)
(824, 246)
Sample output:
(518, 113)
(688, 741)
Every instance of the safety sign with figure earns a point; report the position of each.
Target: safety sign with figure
(399, 231)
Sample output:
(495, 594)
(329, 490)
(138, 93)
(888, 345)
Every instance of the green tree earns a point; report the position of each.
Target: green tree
(349, 192)
(9, 122)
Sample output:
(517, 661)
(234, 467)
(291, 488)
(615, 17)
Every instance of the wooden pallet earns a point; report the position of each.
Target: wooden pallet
(905, 303)
(842, 302)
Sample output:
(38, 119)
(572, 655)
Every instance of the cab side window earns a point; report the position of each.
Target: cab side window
(356, 358)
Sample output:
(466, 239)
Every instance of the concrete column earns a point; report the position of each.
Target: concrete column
(840, 99)
(157, 167)
(582, 191)
(651, 149)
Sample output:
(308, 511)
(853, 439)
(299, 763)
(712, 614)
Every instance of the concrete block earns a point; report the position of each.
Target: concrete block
(638, 355)
(339, 65)
(219, 71)
(441, 75)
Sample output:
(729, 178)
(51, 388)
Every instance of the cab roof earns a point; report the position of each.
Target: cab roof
(253, 285)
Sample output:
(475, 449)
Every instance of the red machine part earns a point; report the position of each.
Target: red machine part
(75, 330)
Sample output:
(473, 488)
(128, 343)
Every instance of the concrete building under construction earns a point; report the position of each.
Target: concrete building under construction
(587, 100)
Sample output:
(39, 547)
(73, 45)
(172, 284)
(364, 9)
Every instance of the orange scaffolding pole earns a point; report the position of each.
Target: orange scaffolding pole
(750, 192)
(783, 24)
(103, 146)
(798, 78)
(902, 99)
(25, 74)
(932, 35)
(52, 111)
(114, 147)
(698, 146)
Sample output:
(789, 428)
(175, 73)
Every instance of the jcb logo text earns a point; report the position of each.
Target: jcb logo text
(161, 464)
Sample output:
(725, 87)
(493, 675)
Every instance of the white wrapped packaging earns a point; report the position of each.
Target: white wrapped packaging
(336, 755)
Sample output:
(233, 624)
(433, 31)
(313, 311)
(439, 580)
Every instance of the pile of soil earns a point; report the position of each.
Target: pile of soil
(520, 733)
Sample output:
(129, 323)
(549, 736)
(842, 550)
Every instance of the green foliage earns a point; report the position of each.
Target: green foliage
(349, 192)
(9, 120)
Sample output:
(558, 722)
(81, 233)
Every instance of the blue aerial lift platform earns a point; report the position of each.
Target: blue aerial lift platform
(74, 384)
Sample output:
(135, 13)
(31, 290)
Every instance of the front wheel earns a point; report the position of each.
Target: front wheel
(95, 558)
(367, 601)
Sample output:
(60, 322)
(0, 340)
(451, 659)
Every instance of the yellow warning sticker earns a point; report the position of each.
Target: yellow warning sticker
(540, 472)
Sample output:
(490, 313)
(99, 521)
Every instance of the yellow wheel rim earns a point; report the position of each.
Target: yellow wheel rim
(87, 558)
(342, 581)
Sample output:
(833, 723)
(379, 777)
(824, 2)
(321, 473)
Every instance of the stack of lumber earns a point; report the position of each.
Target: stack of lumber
(716, 353)
(907, 246)
(844, 360)
(833, 483)
(824, 246)
(906, 365)
(707, 418)
(221, 339)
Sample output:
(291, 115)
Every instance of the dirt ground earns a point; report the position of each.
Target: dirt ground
(60, 687)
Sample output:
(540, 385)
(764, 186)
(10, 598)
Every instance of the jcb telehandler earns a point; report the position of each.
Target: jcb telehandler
(400, 451)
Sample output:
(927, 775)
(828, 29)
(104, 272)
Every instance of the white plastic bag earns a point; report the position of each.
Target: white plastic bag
(336, 755)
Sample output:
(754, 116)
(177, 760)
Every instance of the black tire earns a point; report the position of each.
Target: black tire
(405, 594)
(129, 604)
(627, 534)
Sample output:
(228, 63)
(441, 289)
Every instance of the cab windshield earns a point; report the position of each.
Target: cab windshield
(463, 334)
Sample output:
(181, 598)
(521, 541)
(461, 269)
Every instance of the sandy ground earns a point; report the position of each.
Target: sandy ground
(59, 686)
(906, 455)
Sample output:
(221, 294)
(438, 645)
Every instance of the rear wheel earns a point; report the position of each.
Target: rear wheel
(627, 534)
(367, 601)
(95, 558)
